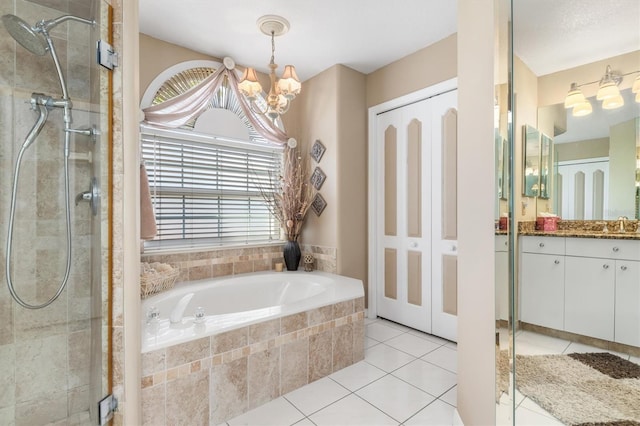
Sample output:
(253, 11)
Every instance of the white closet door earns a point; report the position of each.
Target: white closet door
(405, 181)
(444, 253)
(416, 249)
(584, 189)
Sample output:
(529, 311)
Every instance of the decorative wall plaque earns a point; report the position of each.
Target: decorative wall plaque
(318, 204)
(317, 150)
(317, 178)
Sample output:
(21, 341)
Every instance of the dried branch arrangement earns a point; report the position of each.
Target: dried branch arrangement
(289, 195)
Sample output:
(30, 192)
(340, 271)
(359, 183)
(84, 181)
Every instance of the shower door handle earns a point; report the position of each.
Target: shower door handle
(92, 196)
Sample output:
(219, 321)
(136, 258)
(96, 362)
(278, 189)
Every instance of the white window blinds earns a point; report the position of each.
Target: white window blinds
(206, 191)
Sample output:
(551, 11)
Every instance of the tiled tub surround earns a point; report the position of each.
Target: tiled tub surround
(197, 265)
(212, 379)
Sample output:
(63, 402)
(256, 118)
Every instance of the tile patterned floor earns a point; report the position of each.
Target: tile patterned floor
(407, 378)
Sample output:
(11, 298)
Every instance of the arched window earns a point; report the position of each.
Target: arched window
(207, 177)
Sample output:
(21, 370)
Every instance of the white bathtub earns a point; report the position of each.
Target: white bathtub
(239, 300)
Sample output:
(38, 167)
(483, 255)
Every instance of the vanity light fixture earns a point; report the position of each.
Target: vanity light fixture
(282, 91)
(574, 97)
(608, 93)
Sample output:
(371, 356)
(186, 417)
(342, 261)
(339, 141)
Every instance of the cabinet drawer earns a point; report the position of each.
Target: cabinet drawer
(604, 248)
(542, 245)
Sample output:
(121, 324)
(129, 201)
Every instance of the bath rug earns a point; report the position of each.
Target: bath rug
(582, 389)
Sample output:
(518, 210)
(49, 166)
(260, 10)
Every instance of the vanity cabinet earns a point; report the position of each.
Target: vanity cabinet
(542, 281)
(589, 296)
(586, 286)
(627, 312)
(502, 277)
(598, 275)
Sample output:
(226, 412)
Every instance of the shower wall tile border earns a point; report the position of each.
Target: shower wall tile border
(231, 353)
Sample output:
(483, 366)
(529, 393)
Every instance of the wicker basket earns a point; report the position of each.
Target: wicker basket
(156, 277)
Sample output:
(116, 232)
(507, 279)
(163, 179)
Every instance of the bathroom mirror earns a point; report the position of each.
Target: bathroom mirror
(601, 142)
(545, 165)
(531, 157)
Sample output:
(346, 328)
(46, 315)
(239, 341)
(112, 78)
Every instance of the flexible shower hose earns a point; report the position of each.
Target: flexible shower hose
(30, 138)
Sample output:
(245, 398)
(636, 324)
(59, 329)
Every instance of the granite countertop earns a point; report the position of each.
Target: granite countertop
(581, 229)
(585, 234)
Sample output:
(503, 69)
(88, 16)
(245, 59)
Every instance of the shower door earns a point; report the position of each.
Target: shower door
(54, 360)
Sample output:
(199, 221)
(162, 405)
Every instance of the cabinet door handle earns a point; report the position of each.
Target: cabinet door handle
(623, 267)
(557, 262)
(506, 243)
(605, 266)
(615, 249)
(541, 245)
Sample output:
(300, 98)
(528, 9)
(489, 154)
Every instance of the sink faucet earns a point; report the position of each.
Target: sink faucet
(622, 220)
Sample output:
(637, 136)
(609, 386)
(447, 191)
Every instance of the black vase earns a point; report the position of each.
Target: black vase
(292, 254)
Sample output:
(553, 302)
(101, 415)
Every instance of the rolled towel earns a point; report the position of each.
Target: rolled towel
(148, 229)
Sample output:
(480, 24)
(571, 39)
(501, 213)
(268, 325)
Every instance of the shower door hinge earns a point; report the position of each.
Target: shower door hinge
(106, 407)
(107, 57)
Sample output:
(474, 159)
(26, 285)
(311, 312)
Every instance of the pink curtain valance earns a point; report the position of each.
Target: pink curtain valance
(177, 111)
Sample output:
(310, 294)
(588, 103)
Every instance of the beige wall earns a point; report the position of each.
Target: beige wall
(331, 108)
(317, 119)
(426, 67)
(476, 275)
(157, 55)
(526, 93)
(592, 148)
(622, 154)
(352, 175)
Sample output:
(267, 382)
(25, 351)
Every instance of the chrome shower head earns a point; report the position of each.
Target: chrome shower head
(25, 35)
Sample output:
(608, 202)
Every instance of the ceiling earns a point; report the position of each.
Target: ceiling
(550, 35)
(362, 34)
(553, 35)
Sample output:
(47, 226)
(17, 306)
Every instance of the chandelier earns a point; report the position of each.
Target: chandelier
(282, 91)
(608, 93)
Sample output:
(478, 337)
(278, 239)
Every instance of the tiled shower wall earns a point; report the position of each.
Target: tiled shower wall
(44, 367)
(213, 379)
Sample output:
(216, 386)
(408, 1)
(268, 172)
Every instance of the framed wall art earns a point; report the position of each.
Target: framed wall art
(317, 150)
(318, 204)
(317, 178)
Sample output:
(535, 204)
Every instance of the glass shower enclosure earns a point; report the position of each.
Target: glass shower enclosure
(54, 212)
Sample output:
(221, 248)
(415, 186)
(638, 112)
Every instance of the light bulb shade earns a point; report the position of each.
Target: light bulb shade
(249, 84)
(582, 109)
(613, 103)
(574, 97)
(636, 86)
(609, 89)
(289, 84)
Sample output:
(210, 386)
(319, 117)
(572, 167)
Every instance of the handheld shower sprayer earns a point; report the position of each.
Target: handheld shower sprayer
(36, 39)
